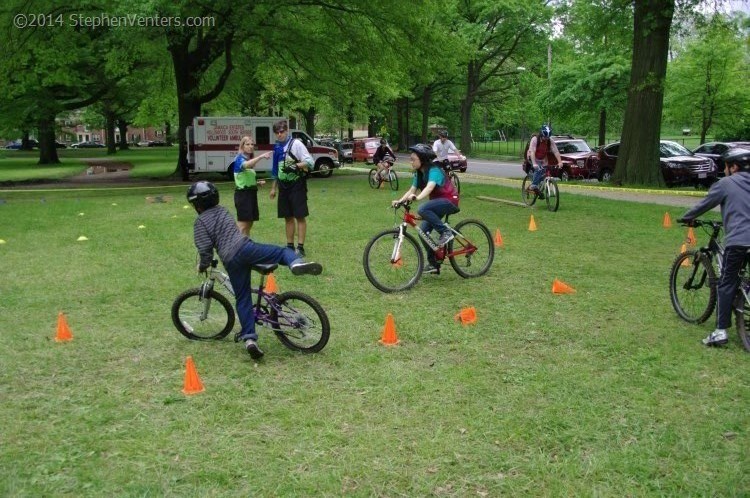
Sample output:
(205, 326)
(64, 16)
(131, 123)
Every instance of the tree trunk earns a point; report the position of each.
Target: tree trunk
(109, 124)
(400, 124)
(168, 132)
(426, 102)
(466, 104)
(309, 115)
(602, 126)
(47, 147)
(122, 125)
(188, 107)
(638, 160)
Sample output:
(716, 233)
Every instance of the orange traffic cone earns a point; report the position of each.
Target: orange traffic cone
(691, 237)
(532, 224)
(667, 223)
(271, 286)
(467, 316)
(63, 331)
(686, 261)
(389, 332)
(193, 384)
(398, 262)
(498, 239)
(560, 287)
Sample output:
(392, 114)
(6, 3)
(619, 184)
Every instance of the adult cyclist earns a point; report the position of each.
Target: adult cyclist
(383, 156)
(540, 148)
(442, 147)
(430, 180)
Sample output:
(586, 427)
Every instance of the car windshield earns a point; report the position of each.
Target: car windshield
(373, 145)
(671, 149)
(573, 146)
(347, 146)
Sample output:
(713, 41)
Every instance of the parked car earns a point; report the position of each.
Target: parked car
(678, 165)
(87, 145)
(714, 150)
(60, 145)
(157, 143)
(457, 162)
(364, 149)
(16, 144)
(578, 160)
(345, 151)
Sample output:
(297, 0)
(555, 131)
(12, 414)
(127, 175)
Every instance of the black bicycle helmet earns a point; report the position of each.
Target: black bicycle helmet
(443, 134)
(424, 152)
(545, 131)
(203, 195)
(738, 156)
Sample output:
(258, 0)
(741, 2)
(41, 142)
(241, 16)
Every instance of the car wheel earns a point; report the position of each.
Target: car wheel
(605, 176)
(325, 169)
(565, 175)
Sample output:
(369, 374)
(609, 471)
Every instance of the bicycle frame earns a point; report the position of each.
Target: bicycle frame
(410, 219)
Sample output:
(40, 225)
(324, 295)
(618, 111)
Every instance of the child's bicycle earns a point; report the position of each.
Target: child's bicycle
(298, 320)
(547, 190)
(693, 283)
(393, 260)
(386, 174)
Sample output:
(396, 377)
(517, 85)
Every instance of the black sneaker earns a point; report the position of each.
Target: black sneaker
(300, 251)
(252, 348)
(432, 269)
(302, 267)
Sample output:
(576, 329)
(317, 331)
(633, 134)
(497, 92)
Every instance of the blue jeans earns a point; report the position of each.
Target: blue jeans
(432, 213)
(239, 274)
(540, 170)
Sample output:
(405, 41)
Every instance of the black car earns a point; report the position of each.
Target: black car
(678, 165)
(714, 150)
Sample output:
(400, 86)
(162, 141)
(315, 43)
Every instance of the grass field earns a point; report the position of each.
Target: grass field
(604, 392)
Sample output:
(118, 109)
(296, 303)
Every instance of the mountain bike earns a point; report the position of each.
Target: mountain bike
(547, 190)
(693, 283)
(695, 275)
(386, 174)
(393, 259)
(298, 320)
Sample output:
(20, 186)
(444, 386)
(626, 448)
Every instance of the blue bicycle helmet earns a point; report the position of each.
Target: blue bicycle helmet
(545, 131)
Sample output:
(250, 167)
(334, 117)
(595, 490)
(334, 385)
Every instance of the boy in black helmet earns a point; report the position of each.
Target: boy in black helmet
(733, 194)
(216, 229)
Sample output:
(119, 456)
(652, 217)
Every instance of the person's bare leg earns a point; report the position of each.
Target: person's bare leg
(245, 227)
(301, 230)
(289, 230)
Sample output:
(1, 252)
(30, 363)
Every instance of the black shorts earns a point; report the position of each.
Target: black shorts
(246, 202)
(293, 199)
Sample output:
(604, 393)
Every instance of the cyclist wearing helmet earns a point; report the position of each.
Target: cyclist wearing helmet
(540, 147)
(442, 146)
(732, 193)
(383, 155)
(215, 229)
(429, 178)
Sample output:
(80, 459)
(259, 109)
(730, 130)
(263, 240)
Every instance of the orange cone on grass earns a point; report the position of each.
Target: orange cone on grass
(467, 316)
(560, 287)
(691, 240)
(389, 332)
(271, 286)
(193, 384)
(532, 224)
(667, 223)
(683, 250)
(398, 262)
(63, 331)
(498, 239)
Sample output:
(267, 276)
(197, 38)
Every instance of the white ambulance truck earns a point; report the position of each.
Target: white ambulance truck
(213, 144)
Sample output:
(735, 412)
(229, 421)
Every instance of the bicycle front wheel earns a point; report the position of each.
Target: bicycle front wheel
(455, 181)
(393, 179)
(373, 179)
(692, 287)
(202, 319)
(300, 322)
(529, 198)
(472, 251)
(552, 195)
(391, 267)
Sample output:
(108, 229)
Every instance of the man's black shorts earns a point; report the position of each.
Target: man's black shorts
(246, 202)
(293, 199)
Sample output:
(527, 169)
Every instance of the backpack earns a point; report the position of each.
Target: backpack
(528, 144)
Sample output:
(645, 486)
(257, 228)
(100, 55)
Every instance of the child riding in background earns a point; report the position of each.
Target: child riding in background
(215, 229)
(429, 178)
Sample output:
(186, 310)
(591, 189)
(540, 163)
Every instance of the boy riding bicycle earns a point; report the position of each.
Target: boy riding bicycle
(383, 158)
(541, 147)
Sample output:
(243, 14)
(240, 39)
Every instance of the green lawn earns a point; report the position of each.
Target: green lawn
(601, 393)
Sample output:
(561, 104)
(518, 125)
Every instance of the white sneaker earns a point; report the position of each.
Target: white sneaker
(716, 338)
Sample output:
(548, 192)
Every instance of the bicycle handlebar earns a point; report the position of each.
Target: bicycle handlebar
(700, 223)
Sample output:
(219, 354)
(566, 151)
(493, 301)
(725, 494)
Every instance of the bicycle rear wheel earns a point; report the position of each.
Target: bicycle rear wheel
(552, 195)
(393, 179)
(372, 178)
(529, 198)
(692, 287)
(742, 319)
(300, 322)
(475, 247)
(455, 181)
(202, 319)
(390, 268)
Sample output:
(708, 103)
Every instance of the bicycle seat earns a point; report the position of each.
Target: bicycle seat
(265, 269)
